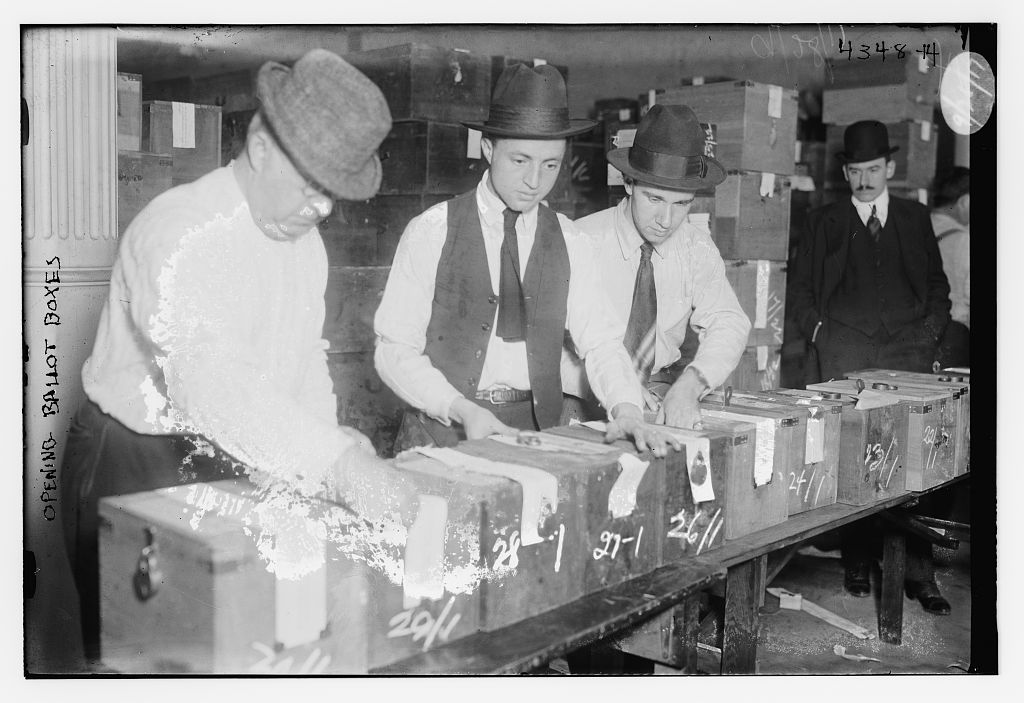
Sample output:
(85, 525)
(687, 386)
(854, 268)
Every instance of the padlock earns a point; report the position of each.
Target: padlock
(148, 576)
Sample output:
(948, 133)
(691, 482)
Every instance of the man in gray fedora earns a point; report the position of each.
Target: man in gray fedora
(663, 273)
(481, 291)
(869, 292)
(209, 359)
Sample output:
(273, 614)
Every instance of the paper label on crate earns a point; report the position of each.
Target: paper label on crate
(775, 101)
(698, 468)
(473, 144)
(798, 151)
(926, 131)
(762, 358)
(539, 62)
(300, 608)
(764, 273)
(922, 63)
(767, 185)
(922, 196)
(764, 443)
(651, 97)
(540, 488)
(183, 125)
(814, 447)
(624, 138)
(622, 496)
(624, 115)
(697, 80)
(423, 566)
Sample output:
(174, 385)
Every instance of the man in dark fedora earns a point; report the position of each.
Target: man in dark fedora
(869, 291)
(484, 286)
(209, 359)
(663, 273)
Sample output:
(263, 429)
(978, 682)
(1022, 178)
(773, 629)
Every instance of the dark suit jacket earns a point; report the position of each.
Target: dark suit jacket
(821, 260)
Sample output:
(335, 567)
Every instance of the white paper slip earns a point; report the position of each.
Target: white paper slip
(424, 552)
(300, 608)
(764, 273)
(698, 468)
(540, 488)
(926, 131)
(814, 447)
(539, 62)
(183, 125)
(624, 114)
(697, 80)
(775, 101)
(473, 144)
(767, 185)
(622, 496)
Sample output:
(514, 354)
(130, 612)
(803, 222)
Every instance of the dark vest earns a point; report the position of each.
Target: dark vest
(874, 291)
(465, 306)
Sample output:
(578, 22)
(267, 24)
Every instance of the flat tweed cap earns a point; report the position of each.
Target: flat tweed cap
(329, 118)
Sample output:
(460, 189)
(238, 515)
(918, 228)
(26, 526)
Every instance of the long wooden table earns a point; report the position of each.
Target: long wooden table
(742, 563)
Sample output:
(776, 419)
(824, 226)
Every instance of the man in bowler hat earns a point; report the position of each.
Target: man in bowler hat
(209, 358)
(663, 273)
(869, 291)
(484, 286)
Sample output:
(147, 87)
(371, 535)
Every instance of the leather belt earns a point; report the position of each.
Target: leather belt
(500, 396)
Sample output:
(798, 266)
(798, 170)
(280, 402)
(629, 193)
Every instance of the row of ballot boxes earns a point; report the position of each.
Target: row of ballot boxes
(234, 577)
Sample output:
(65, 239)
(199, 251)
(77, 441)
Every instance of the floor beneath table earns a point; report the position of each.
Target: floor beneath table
(794, 642)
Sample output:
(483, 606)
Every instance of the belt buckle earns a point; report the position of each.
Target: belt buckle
(490, 397)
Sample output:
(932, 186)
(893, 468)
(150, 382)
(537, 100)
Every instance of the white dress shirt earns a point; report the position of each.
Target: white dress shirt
(212, 327)
(404, 313)
(881, 204)
(955, 248)
(689, 276)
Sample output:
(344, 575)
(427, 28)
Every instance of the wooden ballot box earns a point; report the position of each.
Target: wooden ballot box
(872, 457)
(756, 122)
(927, 435)
(605, 530)
(420, 157)
(752, 211)
(755, 497)
(190, 133)
(187, 587)
(423, 82)
(788, 424)
(141, 176)
(885, 103)
(956, 413)
(814, 484)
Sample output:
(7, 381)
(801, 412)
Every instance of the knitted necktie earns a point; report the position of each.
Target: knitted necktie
(643, 316)
(874, 224)
(511, 306)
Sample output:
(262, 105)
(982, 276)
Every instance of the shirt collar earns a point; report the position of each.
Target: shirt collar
(881, 204)
(630, 240)
(492, 208)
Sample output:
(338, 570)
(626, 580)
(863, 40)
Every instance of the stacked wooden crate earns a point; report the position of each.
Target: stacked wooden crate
(756, 136)
(141, 175)
(903, 95)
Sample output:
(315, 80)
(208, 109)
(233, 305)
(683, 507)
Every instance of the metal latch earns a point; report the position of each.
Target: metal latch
(148, 576)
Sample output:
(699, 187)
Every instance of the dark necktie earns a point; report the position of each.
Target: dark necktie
(874, 224)
(511, 306)
(643, 316)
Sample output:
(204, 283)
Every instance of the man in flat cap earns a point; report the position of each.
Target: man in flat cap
(663, 273)
(209, 353)
(869, 292)
(484, 286)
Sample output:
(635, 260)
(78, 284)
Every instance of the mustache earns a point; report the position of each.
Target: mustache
(864, 187)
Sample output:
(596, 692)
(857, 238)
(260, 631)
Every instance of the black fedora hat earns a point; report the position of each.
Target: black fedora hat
(329, 119)
(866, 140)
(668, 151)
(531, 103)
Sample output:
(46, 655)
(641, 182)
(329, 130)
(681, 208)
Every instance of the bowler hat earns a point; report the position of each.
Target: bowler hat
(866, 140)
(530, 102)
(329, 119)
(668, 151)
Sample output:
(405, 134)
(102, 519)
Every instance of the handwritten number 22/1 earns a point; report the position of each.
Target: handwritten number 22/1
(607, 538)
(423, 626)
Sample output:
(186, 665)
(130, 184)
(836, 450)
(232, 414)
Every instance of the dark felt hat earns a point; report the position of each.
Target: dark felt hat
(866, 140)
(329, 118)
(668, 151)
(530, 102)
